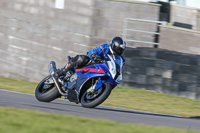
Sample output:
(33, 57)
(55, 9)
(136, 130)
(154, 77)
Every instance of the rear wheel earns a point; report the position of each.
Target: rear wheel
(92, 100)
(48, 93)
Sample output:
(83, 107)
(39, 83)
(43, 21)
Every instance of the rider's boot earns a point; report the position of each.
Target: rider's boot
(75, 62)
(69, 66)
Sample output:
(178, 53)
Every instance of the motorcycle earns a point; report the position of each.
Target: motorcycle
(90, 85)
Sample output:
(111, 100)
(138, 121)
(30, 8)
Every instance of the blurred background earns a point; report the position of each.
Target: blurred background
(162, 38)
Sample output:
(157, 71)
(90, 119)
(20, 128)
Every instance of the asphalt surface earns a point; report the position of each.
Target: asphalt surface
(28, 101)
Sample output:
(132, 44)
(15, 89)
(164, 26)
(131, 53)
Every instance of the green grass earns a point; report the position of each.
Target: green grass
(17, 85)
(151, 101)
(13, 120)
(126, 97)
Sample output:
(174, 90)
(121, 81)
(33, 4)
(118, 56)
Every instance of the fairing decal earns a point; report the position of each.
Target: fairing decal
(95, 70)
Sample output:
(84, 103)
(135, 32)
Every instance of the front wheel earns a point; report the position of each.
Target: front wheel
(46, 94)
(88, 101)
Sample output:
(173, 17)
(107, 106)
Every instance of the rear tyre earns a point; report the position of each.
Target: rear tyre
(88, 103)
(49, 94)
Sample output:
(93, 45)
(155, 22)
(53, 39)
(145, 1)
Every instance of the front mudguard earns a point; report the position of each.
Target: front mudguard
(99, 84)
(103, 80)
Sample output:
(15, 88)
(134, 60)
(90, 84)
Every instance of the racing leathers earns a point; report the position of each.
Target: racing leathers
(82, 60)
(103, 51)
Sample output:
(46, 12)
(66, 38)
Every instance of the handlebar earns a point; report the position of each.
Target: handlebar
(98, 61)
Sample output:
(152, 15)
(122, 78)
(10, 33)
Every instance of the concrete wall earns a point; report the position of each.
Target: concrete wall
(33, 32)
(186, 15)
(179, 39)
(163, 70)
(109, 18)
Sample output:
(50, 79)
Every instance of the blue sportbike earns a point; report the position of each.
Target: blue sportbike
(90, 85)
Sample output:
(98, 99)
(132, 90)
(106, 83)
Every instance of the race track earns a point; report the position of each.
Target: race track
(21, 100)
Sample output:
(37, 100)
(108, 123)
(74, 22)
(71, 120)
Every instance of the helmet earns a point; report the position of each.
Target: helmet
(117, 46)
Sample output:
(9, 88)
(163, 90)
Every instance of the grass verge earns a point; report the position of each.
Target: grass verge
(151, 101)
(23, 121)
(127, 97)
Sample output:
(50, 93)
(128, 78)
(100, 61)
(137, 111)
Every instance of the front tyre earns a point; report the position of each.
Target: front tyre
(46, 95)
(88, 103)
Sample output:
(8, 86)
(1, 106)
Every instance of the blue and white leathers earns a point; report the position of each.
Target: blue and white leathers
(104, 50)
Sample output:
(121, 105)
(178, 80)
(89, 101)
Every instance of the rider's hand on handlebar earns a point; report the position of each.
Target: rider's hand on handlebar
(96, 58)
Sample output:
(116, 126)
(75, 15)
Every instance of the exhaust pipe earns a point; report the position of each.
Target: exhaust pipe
(52, 71)
(58, 86)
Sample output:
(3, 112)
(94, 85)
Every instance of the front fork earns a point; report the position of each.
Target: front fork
(96, 86)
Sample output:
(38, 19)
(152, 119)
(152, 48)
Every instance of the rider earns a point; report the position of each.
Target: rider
(116, 47)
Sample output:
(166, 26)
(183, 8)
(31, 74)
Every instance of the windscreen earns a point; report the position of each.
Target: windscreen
(119, 63)
(115, 67)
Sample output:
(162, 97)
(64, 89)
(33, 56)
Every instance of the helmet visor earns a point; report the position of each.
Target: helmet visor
(118, 50)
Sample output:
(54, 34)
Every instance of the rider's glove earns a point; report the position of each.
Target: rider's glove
(60, 72)
(96, 58)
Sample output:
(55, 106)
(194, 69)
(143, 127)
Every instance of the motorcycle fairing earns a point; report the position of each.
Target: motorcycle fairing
(88, 72)
(85, 74)
(92, 71)
(73, 96)
(97, 70)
